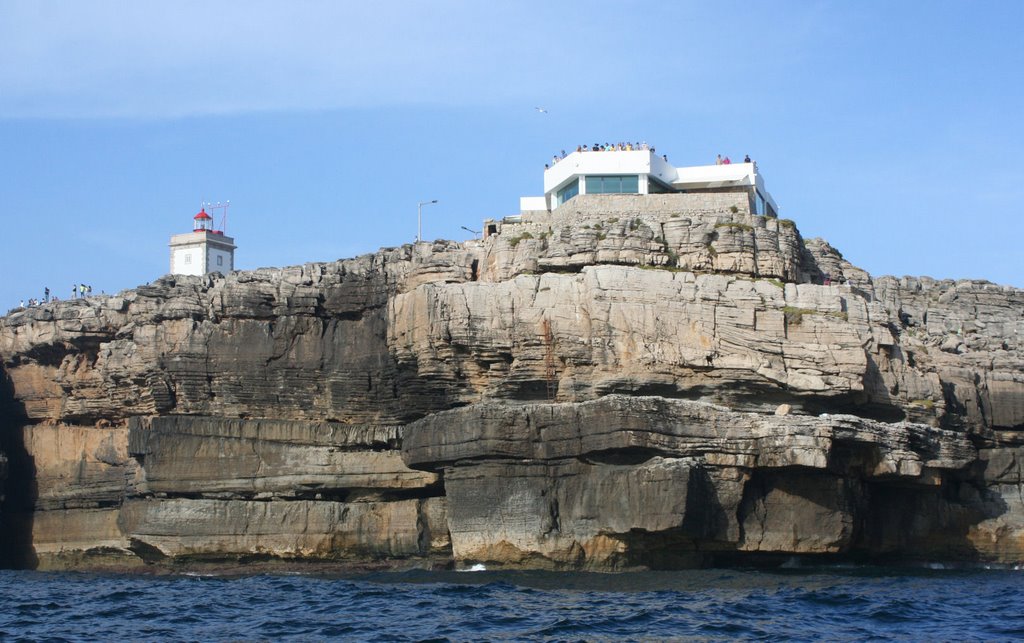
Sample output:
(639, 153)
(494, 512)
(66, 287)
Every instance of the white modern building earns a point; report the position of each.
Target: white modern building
(644, 172)
(202, 251)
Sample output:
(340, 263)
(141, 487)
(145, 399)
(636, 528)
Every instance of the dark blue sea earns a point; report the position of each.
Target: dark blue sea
(833, 604)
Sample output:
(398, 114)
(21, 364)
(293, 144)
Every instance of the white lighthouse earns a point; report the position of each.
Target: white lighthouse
(202, 251)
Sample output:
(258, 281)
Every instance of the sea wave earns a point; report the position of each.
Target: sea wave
(847, 603)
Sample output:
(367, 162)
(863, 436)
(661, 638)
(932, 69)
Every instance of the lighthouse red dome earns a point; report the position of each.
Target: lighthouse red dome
(202, 215)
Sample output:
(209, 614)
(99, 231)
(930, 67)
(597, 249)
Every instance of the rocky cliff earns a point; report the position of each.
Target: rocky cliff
(631, 381)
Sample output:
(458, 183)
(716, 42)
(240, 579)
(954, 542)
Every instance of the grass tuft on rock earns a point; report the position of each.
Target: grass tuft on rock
(514, 241)
(735, 226)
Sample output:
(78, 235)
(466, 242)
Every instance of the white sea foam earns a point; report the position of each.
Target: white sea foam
(479, 567)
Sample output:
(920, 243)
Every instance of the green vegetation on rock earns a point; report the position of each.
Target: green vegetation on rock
(775, 282)
(514, 241)
(735, 226)
(795, 315)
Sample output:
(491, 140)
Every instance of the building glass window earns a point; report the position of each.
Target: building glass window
(657, 187)
(627, 184)
(188, 258)
(220, 260)
(567, 193)
(759, 204)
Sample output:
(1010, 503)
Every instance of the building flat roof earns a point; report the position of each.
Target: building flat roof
(619, 162)
(200, 236)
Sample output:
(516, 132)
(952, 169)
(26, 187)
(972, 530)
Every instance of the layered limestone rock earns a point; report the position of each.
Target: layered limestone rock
(225, 480)
(641, 481)
(206, 488)
(264, 414)
(218, 529)
(744, 342)
(269, 458)
(706, 232)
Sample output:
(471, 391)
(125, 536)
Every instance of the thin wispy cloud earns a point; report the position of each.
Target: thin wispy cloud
(113, 58)
(170, 59)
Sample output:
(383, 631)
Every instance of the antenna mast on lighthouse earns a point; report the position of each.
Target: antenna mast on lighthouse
(223, 207)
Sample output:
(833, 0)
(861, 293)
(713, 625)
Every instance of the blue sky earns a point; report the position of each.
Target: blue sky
(893, 130)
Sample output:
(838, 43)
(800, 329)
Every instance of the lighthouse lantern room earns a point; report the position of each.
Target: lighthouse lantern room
(202, 221)
(204, 250)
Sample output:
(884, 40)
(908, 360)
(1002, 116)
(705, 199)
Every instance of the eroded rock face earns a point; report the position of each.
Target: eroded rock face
(708, 232)
(189, 456)
(217, 529)
(610, 483)
(3, 477)
(265, 413)
(206, 488)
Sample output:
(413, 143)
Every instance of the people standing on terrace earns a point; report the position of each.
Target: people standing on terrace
(630, 147)
(606, 147)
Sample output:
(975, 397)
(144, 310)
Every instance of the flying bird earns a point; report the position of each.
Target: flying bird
(541, 110)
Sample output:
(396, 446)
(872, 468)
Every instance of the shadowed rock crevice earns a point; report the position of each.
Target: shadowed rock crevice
(19, 491)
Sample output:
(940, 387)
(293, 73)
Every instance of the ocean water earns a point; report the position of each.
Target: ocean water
(844, 604)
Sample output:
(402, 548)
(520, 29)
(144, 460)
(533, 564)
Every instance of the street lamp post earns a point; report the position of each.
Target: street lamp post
(419, 219)
(475, 232)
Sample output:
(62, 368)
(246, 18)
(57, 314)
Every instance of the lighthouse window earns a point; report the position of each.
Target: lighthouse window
(628, 184)
(188, 258)
(220, 260)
